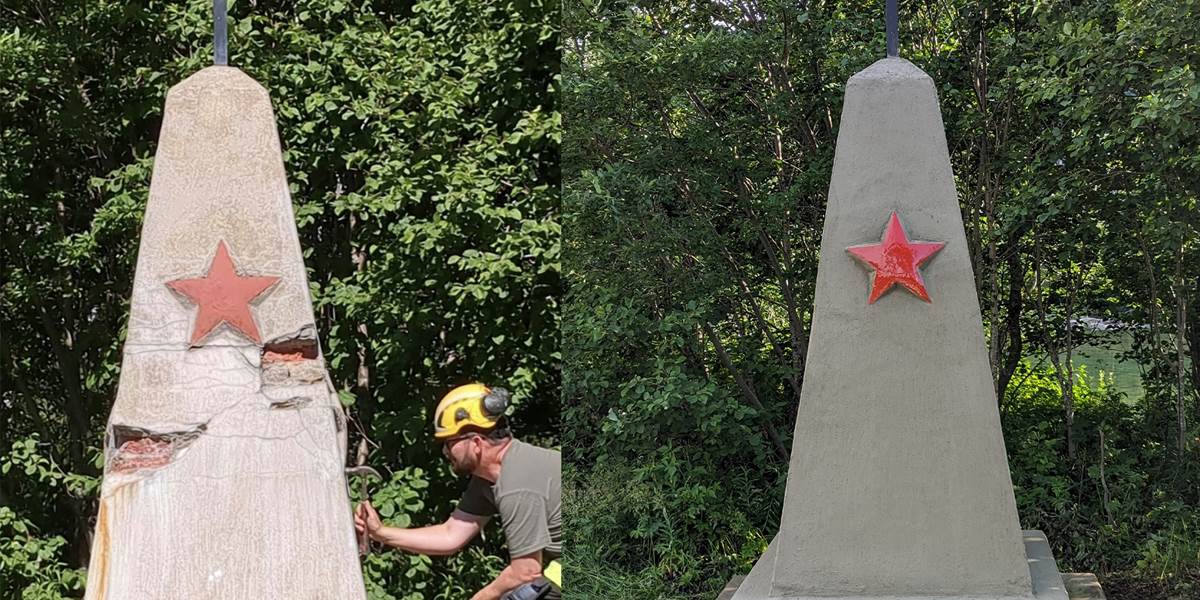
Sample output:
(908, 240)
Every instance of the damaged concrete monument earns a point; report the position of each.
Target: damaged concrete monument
(226, 444)
(899, 485)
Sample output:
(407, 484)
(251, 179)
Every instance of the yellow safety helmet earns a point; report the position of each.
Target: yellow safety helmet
(471, 407)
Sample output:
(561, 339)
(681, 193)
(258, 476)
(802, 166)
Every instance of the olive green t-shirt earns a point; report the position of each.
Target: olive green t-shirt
(528, 496)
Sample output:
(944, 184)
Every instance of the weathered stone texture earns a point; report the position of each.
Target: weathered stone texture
(218, 484)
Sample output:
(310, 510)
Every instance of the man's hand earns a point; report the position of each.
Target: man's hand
(367, 520)
(436, 540)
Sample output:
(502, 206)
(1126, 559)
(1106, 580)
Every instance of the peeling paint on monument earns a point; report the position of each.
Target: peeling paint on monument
(225, 446)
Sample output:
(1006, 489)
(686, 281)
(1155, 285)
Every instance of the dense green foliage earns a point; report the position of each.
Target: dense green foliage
(1122, 512)
(698, 145)
(421, 143)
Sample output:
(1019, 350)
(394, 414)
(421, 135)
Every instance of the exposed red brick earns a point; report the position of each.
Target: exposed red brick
(273, 357)
(142, 453)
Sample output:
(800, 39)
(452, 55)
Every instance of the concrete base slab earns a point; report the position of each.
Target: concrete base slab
(1083, 586)
(1048, 583)
(1043, 571)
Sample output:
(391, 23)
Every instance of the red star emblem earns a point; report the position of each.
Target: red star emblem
(895, 260)
(223, 297)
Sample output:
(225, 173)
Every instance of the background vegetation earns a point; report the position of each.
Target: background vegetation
(697, 152)
(420, 140)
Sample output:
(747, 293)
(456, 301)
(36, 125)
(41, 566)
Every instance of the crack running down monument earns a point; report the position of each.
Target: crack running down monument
(898, 485)
(225, 448)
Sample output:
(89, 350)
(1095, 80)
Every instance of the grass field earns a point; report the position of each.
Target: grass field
(1105, 357)
(1126, 375)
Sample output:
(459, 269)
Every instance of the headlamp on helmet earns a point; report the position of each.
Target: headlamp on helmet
(469, 408)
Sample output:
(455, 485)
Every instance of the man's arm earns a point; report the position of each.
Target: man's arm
(435, 540)
(522, 569)
(523, 513)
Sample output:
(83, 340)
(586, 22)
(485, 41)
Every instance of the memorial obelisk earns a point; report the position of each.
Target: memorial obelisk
(898, 485)
(225, 447)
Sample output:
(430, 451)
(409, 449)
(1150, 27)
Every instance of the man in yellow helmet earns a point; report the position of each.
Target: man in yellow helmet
(520, 482)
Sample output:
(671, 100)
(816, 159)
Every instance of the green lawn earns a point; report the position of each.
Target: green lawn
(1105, 357)
(1126, 375)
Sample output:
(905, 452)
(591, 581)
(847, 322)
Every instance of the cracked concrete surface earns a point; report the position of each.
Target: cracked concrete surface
(224, 467)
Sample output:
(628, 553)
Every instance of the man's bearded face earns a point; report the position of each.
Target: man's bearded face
(463, 454)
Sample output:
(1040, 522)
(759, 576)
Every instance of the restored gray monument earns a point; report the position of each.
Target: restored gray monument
(898, 485)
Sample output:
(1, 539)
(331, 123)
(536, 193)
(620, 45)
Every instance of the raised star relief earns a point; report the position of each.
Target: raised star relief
(223, 296)
(896, 261)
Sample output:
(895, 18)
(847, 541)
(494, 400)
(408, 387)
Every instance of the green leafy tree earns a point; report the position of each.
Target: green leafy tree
(420, 141)
(697, 154)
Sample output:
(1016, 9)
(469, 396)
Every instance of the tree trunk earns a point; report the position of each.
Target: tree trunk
(1104, 481)
(1180, 336)
(1193, 336)
(761, 324)
(693, 355)
(1069, 367)
(363, 357)
(799, 337)
(68, 368)
(1064, 376)
(747, 392)
(1148, 263)
(1015, 305)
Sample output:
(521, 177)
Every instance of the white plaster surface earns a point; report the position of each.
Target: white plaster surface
(898, 484)
(256, 505)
